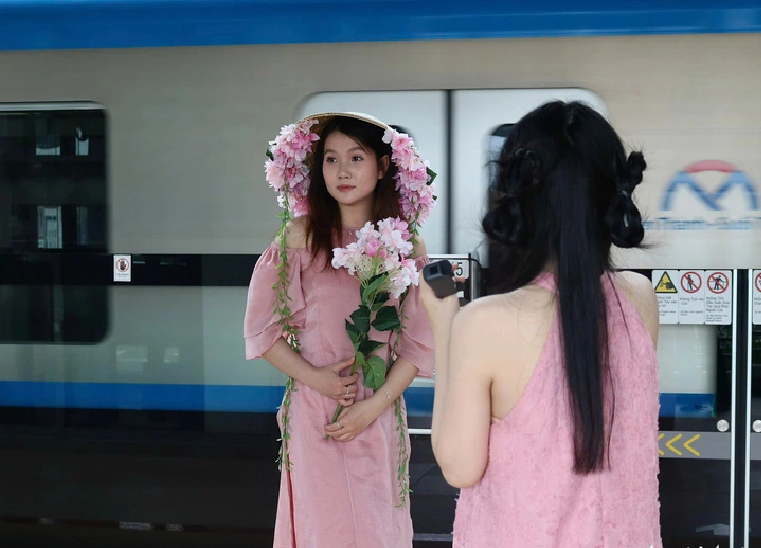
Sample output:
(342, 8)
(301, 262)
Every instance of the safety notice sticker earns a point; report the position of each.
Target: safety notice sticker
(696, 297)
(757, 297)
(692, 301)
(718, 297)
(668, 295)
(122, 268)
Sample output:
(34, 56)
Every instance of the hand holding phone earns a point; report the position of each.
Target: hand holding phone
(439, 276)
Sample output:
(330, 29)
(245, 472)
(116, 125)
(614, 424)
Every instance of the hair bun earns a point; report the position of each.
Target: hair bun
(635, 167)
(624, 219)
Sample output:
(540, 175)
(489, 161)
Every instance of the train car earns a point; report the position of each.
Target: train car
(133, 207)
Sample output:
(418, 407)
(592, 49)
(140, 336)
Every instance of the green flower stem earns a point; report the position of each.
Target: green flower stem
(402, 472)
(283, 311)
(340, 407)
(402, 469)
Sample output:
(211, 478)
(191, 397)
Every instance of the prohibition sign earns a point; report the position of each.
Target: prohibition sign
(691, 282)
(717, 283)
(758, 282)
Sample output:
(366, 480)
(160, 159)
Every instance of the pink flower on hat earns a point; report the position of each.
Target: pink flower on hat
(286, 170)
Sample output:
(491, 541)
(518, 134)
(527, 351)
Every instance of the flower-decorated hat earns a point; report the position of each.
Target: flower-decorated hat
(288, 164)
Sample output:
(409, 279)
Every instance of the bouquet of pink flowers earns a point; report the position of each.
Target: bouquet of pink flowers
(380, 260)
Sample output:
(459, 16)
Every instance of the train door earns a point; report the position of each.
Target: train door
(753, 472)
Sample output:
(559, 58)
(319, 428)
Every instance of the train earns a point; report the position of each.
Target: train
(133, 208)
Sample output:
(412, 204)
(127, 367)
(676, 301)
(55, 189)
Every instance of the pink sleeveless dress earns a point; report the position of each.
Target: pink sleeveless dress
(529, 495)
(336, 494)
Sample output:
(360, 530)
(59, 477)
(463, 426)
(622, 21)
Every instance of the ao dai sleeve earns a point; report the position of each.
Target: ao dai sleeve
(416, 343)
(260, 326)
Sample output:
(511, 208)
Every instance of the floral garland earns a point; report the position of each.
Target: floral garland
(287, 172)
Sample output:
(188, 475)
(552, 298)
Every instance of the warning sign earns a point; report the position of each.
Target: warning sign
(697, 297)
(718, 297)
(668, 295)
(122, 268)
(757, 297)
(691, 281)
(664, 285)
(692, 302)
(718, 282)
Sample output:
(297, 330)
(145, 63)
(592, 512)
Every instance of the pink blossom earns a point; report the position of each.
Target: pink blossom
(391, 263)
(286, 172)
(372, 247)
(396, 140)
(300, 208)
(412, 272)
(275, 174)
(368, 232)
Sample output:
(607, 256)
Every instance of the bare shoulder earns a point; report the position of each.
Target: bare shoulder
(476, 326)
(295, 233)
(481, 311)
(501, 334)
(639, 290)
(499, 315)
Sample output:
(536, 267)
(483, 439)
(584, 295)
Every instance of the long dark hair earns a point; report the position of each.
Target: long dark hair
(323, 226)
(565, 185)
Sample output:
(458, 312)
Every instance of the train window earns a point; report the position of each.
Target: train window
(496, 142)
(53, 222)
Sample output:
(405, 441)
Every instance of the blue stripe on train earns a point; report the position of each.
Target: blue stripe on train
(63, 24)
(176, 397)
(194, 397)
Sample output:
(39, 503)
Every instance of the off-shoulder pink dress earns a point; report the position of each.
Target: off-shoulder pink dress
(529, 495)
(336, 494)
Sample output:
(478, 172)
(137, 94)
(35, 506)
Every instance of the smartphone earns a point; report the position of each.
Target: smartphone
(439, 277)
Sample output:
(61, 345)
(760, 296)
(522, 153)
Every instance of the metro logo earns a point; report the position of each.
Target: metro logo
(689, 203)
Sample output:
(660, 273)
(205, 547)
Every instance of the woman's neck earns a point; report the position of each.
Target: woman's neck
(355, 216)
(551, 267)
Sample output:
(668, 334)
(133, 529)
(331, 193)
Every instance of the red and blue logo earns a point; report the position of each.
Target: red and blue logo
(710, 206)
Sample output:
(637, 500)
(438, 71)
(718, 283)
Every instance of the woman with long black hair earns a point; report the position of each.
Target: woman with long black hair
(546, 403)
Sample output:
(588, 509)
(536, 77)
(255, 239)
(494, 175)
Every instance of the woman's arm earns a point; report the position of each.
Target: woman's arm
(353, 420)
(464, 347)
(325, 380)
(398, 379)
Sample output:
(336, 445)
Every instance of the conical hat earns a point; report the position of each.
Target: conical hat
(325, 117)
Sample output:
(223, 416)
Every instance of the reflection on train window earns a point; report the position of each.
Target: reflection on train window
(496, 142)
(53, 221)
